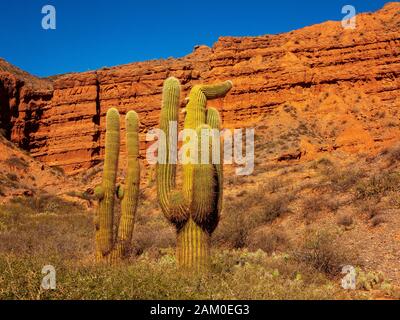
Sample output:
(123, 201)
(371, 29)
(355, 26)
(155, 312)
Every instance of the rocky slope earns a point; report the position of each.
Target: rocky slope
(22, 176)
(338, 89)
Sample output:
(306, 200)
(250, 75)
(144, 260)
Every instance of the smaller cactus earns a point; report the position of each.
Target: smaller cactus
(110, 246)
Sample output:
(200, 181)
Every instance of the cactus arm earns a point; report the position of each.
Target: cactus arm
(166, 173)
(130, 194)
(171, 201)
(214, 121)
(205, 182)
(196, 107)
(178, 209)
(105, 215)
(215, 91)
(196, 115)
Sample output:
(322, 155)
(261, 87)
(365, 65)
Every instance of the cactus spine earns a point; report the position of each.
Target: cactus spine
(195, 209)
(110, 246)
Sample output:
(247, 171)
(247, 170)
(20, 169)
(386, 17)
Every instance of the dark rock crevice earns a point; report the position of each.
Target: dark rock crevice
(96, 121)
(5, 113)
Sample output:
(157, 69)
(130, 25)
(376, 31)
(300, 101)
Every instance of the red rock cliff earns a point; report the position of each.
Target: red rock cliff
(61, 121)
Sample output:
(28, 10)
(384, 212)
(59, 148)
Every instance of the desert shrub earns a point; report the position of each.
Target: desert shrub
(47, 203)
(58, 170)
(17, 162)
(342, 180)
(234, 227)
(394, 199)
(370, 208)
(152, 237)
(241, 193)
(12, 176)
(321, 250)
(242, 215)
(290, 109)
(332, 204)
(345, 219)
(273, 185)
(275, 206)
(378, 185)
(393, 153)
(267, 240)
(380, 114)
(323, 162)
(313, 205)
(234, 180)
(391, 124)
(377, 220)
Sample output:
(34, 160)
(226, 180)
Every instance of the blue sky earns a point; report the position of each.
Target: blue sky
(92, 34)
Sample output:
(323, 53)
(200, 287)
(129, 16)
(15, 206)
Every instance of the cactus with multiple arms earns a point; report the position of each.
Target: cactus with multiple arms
(195, 209)
(109, 246)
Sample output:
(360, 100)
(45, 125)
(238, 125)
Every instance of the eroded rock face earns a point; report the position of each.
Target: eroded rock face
(23, 100)
(322, 67)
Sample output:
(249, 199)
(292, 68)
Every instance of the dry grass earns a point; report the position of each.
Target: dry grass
(269, 241)
(17, 162)
(322, 251)
(377, 220)
(234, 275)
(345, 219)
(255, 254)
(30, 234)
(236, 223)
(313, 206)
(31, 237)
(378, 185)
(393, 153)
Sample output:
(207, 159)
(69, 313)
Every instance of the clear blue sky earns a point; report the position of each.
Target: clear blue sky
(91, 34)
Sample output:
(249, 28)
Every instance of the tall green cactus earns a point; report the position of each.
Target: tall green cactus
(111, 246)
(195, 209)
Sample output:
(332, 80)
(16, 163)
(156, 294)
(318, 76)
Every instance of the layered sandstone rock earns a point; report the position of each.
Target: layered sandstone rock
(324, 72)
